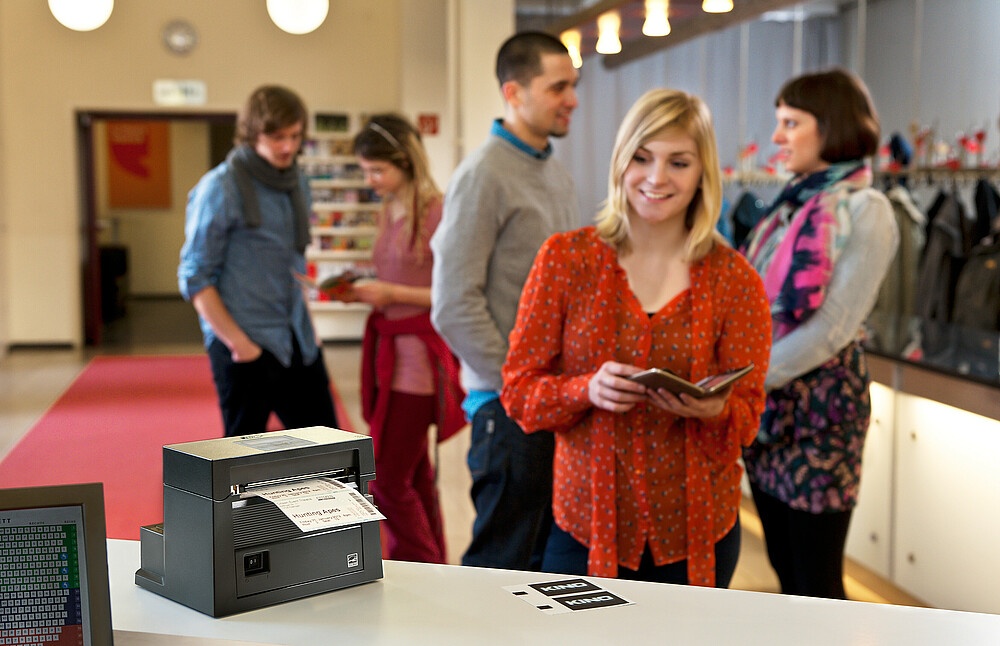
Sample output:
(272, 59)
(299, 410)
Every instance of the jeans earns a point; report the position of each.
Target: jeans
(511, 491)
(249, 392)
(565, 555)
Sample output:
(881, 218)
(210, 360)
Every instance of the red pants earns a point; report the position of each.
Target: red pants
(405, 490)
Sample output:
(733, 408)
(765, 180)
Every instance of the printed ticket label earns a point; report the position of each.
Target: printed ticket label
(319, 503)
(568, 595)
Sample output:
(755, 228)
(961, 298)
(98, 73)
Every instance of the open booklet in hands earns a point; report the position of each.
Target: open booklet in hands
(657, 378)
(333, 286)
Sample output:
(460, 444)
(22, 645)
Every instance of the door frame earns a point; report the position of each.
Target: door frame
(91, 269)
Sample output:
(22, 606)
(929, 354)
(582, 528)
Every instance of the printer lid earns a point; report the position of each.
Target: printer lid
(209, 467)
(254, 445)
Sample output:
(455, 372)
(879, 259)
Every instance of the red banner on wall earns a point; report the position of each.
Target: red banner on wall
(138, 164)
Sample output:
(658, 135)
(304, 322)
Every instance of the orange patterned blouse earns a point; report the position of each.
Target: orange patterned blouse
(644, 477)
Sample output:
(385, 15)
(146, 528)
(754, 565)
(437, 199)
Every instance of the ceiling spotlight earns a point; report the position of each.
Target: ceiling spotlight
(607, 33)
(657, 23)
(298, 16)
(717, 6)
(81, 15)
(571, 38)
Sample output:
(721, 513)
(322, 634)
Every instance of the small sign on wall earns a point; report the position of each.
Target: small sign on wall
(138, 164)
(427, 123)
(179, 92)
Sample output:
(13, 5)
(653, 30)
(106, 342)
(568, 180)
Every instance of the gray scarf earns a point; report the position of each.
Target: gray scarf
(247, 165)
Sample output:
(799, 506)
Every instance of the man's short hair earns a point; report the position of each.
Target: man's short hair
(520, 57)
(268, 109)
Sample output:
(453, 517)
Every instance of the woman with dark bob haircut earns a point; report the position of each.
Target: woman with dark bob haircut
(822, 250)
(843, 110)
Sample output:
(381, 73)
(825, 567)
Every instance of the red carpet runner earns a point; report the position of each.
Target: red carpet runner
(110, 426)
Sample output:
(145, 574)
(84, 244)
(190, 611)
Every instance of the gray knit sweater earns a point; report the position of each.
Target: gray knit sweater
(501, 205)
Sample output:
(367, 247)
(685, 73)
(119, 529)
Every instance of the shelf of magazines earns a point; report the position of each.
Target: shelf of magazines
(342, 226)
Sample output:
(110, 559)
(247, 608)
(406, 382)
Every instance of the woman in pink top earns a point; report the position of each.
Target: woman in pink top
(409, 377)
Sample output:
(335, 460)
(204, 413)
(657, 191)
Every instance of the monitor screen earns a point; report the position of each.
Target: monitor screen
(54, 566)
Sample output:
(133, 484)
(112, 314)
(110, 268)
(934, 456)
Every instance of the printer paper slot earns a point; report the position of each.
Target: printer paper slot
(318, 503)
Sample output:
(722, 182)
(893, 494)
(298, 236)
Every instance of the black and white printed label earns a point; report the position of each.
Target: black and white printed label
(568, 595)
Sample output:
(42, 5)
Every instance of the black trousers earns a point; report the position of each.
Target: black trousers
(806, 550)
(565, 555)
(249, 392)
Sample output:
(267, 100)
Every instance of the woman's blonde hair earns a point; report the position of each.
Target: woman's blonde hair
(654, 112)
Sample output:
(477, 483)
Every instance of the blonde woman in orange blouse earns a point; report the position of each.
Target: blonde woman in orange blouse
(646, 484)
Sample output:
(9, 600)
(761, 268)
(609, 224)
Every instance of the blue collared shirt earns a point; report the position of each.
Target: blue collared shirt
(253, 269)
(499, 131)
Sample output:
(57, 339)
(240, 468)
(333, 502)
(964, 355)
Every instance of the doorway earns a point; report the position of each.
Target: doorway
(129, 255)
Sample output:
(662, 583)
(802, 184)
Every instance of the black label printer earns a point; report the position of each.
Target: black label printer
(222, 550)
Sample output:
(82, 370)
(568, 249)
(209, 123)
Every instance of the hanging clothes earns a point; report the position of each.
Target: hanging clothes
(891, 323)
(976, 315)
(746, 214)
(944, 254)
(986, 200)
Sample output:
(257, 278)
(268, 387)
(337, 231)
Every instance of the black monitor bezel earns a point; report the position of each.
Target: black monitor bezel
(89, 497)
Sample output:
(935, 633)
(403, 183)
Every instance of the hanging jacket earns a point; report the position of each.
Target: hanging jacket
(889, 325)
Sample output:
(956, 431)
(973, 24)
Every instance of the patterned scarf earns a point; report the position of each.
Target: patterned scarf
(247, 166)
(795, 246)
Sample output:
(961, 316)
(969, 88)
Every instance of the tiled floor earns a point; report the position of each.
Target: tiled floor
(32, 379)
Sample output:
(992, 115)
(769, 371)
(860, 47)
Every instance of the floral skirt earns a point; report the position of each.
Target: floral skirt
(808, 451)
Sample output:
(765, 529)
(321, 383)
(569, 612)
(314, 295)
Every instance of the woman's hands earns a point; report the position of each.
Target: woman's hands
(684, 405)
(610, 389)
(376, 293)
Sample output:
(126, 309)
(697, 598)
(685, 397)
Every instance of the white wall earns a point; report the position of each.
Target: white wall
(424, 78)
(482, 29)
(956, 85)
(4, 280)
(448, 55)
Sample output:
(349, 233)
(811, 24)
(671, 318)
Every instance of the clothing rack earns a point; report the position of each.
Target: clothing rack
(930, 175)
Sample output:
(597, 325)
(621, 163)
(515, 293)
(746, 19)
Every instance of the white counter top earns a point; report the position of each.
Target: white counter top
(442, 604)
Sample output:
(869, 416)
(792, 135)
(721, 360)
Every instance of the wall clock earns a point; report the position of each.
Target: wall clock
(180, 36)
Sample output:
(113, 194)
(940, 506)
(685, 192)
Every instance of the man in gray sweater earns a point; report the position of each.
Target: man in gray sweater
(503, 201)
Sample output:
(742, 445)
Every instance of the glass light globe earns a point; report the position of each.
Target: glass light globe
(717, 6)
(81, 15)
(571, 38)
(657, 21)
(298, 16)
(607, 33)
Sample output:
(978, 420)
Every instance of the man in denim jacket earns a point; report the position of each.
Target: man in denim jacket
(246, 232)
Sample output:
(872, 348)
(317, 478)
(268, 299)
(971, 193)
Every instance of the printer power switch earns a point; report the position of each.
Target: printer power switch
(255, 563)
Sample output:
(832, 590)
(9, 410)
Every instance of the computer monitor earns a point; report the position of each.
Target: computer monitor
(54, 566)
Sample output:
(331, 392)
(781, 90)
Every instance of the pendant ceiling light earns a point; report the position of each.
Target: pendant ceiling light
(571, 38)
(608, 25)
(298, 16)
(717, 6)
(657, 22)
(81, 15)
